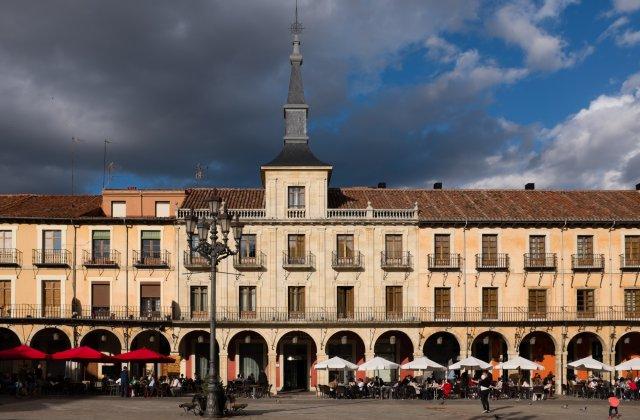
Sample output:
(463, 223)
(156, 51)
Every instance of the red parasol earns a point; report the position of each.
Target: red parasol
(144, 355)
(83, 354)
(23, 352)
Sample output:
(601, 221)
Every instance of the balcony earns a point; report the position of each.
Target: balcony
(10, 257)
(296, 213)
(492, 262)
(587, 262)
(396, 261)
(540, 262)
(630, 262)
(243, 262)
(341, 262)
(151, 259)
(443, 262)
(298, 262)
(109, 259)
(193, 261)
(51, 257)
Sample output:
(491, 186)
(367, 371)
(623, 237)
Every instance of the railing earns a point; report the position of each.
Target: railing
(194, 261)
(396, 260)
(242, 213)
(346, 213)
(630, 262)
(353, 261)
(51, 257)
(296, 213)
(246, 262)
(492, 261)
(540, 261)
(362, 315)
(10, 257)
(307, 260)
(151, 259)
(395, 213)
(101, 259)
(443, 261)
(587, 262)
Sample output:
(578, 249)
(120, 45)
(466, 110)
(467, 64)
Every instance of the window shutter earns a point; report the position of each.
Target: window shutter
(150, 234)
(150, 291)
(100, 295)
(100, 234)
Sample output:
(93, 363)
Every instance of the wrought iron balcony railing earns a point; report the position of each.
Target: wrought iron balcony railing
(101, 259)
(246, 262)
(340, 261)
(540, 262)
(443, 262)
(492, 262)
(298, 261)
(10, 257)
(592, 262)
(151, 259)
(195, 261)
(630, 262)
(396, 260)
(51, 257)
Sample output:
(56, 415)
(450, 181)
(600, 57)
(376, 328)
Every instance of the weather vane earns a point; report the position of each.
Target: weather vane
(296, 27)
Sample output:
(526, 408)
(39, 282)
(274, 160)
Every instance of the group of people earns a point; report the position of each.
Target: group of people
(595, 387)
(33, 382)
(249, 386)
(150, 385)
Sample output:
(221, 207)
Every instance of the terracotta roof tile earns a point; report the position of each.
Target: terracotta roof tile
(50, 206)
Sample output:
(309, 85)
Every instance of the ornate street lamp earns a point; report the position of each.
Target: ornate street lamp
(206, 229)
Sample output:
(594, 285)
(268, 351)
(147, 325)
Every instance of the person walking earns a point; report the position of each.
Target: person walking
(485, 388)
(124, 382)
(614, 402)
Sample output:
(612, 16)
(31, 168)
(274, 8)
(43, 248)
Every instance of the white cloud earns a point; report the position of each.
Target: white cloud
(440, 49)
(519, 24)
(628, 38)
(626, 6)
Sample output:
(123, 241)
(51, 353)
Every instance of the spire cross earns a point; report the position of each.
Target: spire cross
(296, 27)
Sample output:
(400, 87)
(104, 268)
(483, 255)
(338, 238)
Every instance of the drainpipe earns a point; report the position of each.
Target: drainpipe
(613, 225)
(126, 277)
(562, 368)
(464, 282)
(74, 284)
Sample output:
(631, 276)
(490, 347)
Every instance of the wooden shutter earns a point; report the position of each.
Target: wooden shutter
(442, 297)
(296, 301)
(393, 248)
(345, 301)
(537, 303)
(632, 303)
(489, 250)
(490, 302)
(296, 249)
(345, 248)
(585, 251)
(585, 303)
(100, 295)
(5, 293)
(442, 247)
(51, 297)
(394, 300)
(537, 250)
(151, 290)
(632, 249)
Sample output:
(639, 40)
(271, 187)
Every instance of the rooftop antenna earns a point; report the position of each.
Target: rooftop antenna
(111, 168)
(104, 162)
(296, 27)
(201, 173)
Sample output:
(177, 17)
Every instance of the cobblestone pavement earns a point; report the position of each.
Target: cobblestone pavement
(308, 407)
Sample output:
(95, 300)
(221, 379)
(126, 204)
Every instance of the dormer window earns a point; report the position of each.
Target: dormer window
(296, 197)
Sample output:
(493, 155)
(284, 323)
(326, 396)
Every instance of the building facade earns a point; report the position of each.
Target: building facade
(321, 271)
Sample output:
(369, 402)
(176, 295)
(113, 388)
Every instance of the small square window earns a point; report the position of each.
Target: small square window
(118, 209)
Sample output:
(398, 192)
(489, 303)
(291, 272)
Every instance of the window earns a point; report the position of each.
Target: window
(490, 303)
(101, 247)
(6, 241)
(150, 244)
(118, 209)
(100, 301)
(345, 301)
(247, 301)
(537, 303)
(52, 247)
(163, 209)
(248, 249)
(296, 249)
(5, 297)
(489, 250)
(442, 302)
(585, 251)
(442, 248)
(51, 298)
(150, 300)
(585, 303)
(632, 303)
(537, 250)
(199, 302)
(296, 301)
(394, 301)
(632, 250)
(296, 197)
(345, 249)
(393, 249)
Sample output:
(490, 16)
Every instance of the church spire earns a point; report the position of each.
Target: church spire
(296, 109)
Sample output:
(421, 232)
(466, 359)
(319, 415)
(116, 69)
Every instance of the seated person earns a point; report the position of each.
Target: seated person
(175, 387)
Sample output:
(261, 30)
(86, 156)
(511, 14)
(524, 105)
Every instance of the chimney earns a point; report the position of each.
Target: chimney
(437, 185)
(382, 185)
(529, 186)
(638, 186)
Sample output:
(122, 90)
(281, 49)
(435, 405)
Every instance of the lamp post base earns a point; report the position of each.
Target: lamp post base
(216, 400)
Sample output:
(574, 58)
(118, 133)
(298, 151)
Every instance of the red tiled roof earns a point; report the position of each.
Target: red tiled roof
(454, 205)
(50, 206)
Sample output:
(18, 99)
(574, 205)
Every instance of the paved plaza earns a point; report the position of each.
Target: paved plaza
(308, 407)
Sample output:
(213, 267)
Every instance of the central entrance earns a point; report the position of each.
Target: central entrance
(296, 356)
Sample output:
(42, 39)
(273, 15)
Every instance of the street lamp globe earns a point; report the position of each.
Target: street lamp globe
(214, 205)
(191, 223)
(237, 228)
(203, 229)
(225, 223)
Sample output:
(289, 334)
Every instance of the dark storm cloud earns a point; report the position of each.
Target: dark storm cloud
(177, 83)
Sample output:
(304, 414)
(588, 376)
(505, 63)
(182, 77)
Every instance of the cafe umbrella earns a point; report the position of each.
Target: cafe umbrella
(23, 352)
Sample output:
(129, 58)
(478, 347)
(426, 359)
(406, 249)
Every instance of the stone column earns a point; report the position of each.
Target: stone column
(561, 370)
(321, 374)
(222, 367)
(271, 374)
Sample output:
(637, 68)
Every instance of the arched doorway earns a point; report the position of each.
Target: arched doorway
(397, 347)
(349, 346)
(53, 340)
(491, 347)
(9, 340)
(583, 345)
(247, 355)
(156, 341)
(442, 347)
(296, 356)
(108, 343)
(628, 347)
(538, 346)
(194, 350)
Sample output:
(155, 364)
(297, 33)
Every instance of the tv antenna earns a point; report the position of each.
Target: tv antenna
(296, 27)
(104, 162)
(200, 173)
